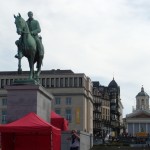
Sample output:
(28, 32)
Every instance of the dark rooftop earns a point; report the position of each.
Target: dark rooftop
(113, 84)
(53, 71)
(96, 83)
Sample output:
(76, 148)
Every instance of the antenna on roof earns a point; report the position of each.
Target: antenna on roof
(113, 75)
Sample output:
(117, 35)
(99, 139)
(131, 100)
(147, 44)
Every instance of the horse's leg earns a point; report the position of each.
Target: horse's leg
(19, 66)
(39, 63)
(31, 65)
(39, 57)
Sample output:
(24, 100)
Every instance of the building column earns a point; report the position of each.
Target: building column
(77, 81)
(133, 129)
(127, 128)
(146, 128)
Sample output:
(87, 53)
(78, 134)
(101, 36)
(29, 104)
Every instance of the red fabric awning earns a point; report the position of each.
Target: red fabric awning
(30, 132)
(29, 123)
(59, 122)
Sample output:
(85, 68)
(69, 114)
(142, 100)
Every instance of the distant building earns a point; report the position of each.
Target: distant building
(101, 111)
(108, 109)
(72, 92)
(116, 108)
(139, 119)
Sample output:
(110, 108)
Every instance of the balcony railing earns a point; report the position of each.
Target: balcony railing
(119, 113)
(113, 107)
(113, 101)
(97, 111)
(98, 103)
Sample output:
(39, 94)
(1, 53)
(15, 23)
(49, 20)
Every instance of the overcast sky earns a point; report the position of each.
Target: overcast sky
(101, 38)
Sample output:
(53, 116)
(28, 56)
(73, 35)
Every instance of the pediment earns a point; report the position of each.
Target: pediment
(141, 114)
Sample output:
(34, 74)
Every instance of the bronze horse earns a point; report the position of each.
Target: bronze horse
(28, 47)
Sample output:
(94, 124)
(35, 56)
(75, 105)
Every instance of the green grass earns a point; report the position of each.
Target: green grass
(117, 147)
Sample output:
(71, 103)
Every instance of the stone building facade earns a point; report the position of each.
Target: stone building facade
(72, 95)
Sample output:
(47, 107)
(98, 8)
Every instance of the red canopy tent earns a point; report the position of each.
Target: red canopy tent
(58, 121)
(30, 133)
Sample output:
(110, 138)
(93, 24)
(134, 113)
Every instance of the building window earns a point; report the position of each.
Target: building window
(80, 82)
(4, 101)
(70, 82)
(68, 101)
(43, 82)
(4, 115)
(58, 111)
(47, 82)
(61, 82)
(11, 81)
(52, 82)
(57, 82)
(66, 82)
(7, 81)
(57, 101)
(2, 83)
(68, 115)
(75, 82)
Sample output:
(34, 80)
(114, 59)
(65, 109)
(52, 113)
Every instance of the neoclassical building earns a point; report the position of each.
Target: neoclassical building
(72, 95)
(139, 119)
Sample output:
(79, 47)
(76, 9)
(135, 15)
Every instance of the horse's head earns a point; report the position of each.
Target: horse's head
(20, 24)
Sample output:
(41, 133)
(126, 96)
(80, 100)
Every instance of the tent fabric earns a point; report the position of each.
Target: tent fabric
(58, 121)
(30, 132)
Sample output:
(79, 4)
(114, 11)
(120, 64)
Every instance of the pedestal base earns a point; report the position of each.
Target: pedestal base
(23, 99)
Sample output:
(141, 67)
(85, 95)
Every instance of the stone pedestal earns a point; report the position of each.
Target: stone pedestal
(23, 99)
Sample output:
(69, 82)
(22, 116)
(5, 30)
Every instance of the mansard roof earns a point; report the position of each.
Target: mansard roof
(113, 84)
(96, 84)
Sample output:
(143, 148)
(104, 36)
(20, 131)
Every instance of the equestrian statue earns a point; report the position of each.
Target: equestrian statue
(29, 44)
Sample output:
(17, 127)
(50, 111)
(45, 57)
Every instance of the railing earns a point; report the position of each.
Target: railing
(98, 103)
(113, 101)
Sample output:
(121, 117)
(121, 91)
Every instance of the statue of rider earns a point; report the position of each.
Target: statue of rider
(34, 28)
